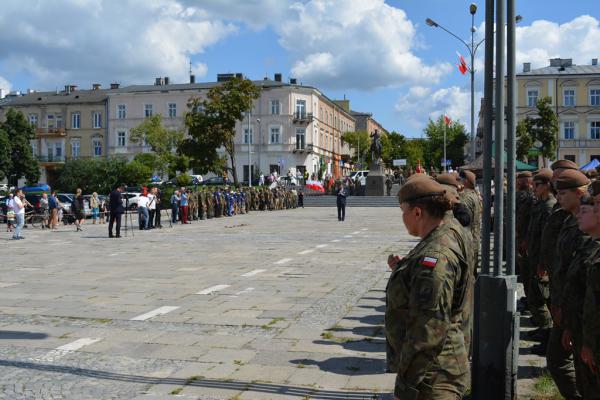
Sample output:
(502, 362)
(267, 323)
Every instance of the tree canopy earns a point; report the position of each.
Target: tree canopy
(456, 138)
(16, 157)
(360, 142)
(211, 124)
(539, 132)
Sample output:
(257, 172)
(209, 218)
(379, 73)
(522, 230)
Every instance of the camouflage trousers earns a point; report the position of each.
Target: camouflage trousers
(588, 383)
(537, 300)
(560, 365)
(437, 385)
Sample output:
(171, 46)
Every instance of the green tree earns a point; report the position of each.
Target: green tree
(211, 124)
(394, 148)
(543, 129)
(524, 141)
(163, 141)
(456, 138)
(414, 151)
(360, 142)
(19, 132)
(5, 159)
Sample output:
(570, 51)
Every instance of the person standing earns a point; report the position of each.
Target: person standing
(388, 185)
(183, 205)
(151, 208)
(10, 212)
(44, 210)
(341, 201)
(116, 209)
(95, 206)
(301, 198)
(77, 208)
(53, 207)
(142, 208)
(156, 192)
(19, 208)
(427, 299)
(174, 206)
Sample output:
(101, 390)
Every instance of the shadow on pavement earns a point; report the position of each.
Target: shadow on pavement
(347, 365)
(22, 335)
(200, 382)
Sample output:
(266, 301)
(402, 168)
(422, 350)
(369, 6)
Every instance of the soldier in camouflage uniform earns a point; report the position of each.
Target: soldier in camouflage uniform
(426, 300)
(570, 185)
(471, 199)
(538, 292)
(524, 200)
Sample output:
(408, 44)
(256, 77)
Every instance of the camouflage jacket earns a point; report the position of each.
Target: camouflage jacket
(591, 305)
(548, 250)
(524, 201)
(471, 199)
(426, 298)
(573, 292)
(540, 213)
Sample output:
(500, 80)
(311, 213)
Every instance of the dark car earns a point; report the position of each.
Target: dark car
(215, 181)
(35, 201)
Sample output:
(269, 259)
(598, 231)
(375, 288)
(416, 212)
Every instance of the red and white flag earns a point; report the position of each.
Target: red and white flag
(447, 120)
(462, 66)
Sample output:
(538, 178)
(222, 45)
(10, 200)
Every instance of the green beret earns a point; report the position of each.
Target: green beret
(468, 176)
(420, 186)
(447, 179)
(451, 193)
(524, 174)
(543, 175)
(570, 179)
(595, 188)
(564, 164)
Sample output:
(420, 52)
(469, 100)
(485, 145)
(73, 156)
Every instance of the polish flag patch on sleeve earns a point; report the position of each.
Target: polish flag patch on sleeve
(429, 262)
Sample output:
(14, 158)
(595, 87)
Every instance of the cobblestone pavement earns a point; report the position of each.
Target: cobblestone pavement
(277, 305)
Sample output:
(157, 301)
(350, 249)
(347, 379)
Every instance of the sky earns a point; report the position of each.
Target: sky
(379, 54)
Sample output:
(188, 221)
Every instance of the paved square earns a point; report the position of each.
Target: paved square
(285, 304)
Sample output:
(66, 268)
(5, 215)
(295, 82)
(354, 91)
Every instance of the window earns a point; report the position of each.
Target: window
(300, 138)
(97, 147)
(532, 97)
(172, 110)
(570, 157)
(58, 149)
(275, 168)
(97, 120)
(275, 136)
(595, 97)
(121, 138)
(33, 120)
(595, 129)
(275, 107)
(147, 110)
(246, 136)
(34, 147)
(59, 122)
(75, 148)
(569, 97)
(301, 108)
(246, 172)
(50, 121)
(569, 129)
(75, 120)
(121, 111)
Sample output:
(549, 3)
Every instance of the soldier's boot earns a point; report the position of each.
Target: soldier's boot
(561, 367)
(542, 348)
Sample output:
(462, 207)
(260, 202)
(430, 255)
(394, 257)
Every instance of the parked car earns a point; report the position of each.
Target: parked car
(130, 200)
(65, 200)
(215, 181)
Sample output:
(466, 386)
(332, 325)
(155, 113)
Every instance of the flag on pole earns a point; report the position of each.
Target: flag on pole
(447, 120)
(462, 66)
(419, 169)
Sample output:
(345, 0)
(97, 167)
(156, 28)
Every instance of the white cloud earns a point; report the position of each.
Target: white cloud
(354, 44)
(420, 104)
(5, 85)
(85, 41)
(256, 13)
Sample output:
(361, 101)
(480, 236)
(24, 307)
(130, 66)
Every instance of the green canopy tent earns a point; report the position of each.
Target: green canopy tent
(477, 164)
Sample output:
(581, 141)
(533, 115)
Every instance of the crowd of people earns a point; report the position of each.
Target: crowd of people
(558, 244)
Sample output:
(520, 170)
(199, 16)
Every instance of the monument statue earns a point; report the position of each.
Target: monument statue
(376, 147)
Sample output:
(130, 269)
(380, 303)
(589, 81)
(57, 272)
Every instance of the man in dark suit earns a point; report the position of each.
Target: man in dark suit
(341, 201)
(116, 210)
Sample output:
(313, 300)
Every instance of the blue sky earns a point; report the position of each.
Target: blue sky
(380, 55)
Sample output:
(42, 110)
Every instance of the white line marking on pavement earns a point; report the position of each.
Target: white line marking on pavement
(335, 240)
(347, 236)
(306, 251)
(283, 261)
(154, 313)
(364, 229)
(355, 233)
(113, 254)
(63, 350)
(212, 289)
(8, 284)
(247, 290)
(252, 273)
(188, 269)
(320, 246)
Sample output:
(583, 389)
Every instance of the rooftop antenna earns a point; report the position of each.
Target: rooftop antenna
(190, 67)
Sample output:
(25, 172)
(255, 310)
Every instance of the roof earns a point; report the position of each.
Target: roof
(570, 70)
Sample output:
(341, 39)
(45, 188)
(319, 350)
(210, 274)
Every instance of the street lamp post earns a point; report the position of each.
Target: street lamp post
(472, 52)
(249, 152)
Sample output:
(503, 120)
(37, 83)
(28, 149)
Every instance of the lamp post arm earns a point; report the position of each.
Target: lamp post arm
(457, 37)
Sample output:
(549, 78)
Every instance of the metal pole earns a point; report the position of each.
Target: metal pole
(473, 151)
(249, 152)
(511, 154)
(445, 129)
(487, 136)
(499, 142)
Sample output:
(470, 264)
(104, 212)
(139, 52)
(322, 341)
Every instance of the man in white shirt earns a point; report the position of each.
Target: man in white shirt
(151, 209)
(19, 208)
(143, 211)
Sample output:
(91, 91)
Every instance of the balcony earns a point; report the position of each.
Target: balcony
(51, 132)
(50, 159)
(302, 118)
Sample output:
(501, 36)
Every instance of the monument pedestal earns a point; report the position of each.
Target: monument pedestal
(375, 181)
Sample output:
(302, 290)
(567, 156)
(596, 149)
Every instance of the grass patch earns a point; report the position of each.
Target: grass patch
(327, 335)
(65, 336)
(546, 388)
(300, 366)
(238, 362)
(176, 391)
(193, 379)
(271, 323)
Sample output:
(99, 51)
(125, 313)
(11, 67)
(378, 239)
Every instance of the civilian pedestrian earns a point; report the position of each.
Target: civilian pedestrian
(19, 208)
(157, 201)
(341, 201)
(77, 209)
(183, 205)
(174, 206)
(10, 212)
(53, 208)
(44, 210)
(95, 206)
(116, 208)
(301, 198)
(142, 208)
(151, 208)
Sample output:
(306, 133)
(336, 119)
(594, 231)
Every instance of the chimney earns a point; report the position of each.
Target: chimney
(166, 80)
(72, 88)
(96, 86)
(192, 78)
(293, 81)
(277, 77)
(158, 81)
(594, 61)
(114, 85)
(2, 93)
(526, 67)
(67, 89)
